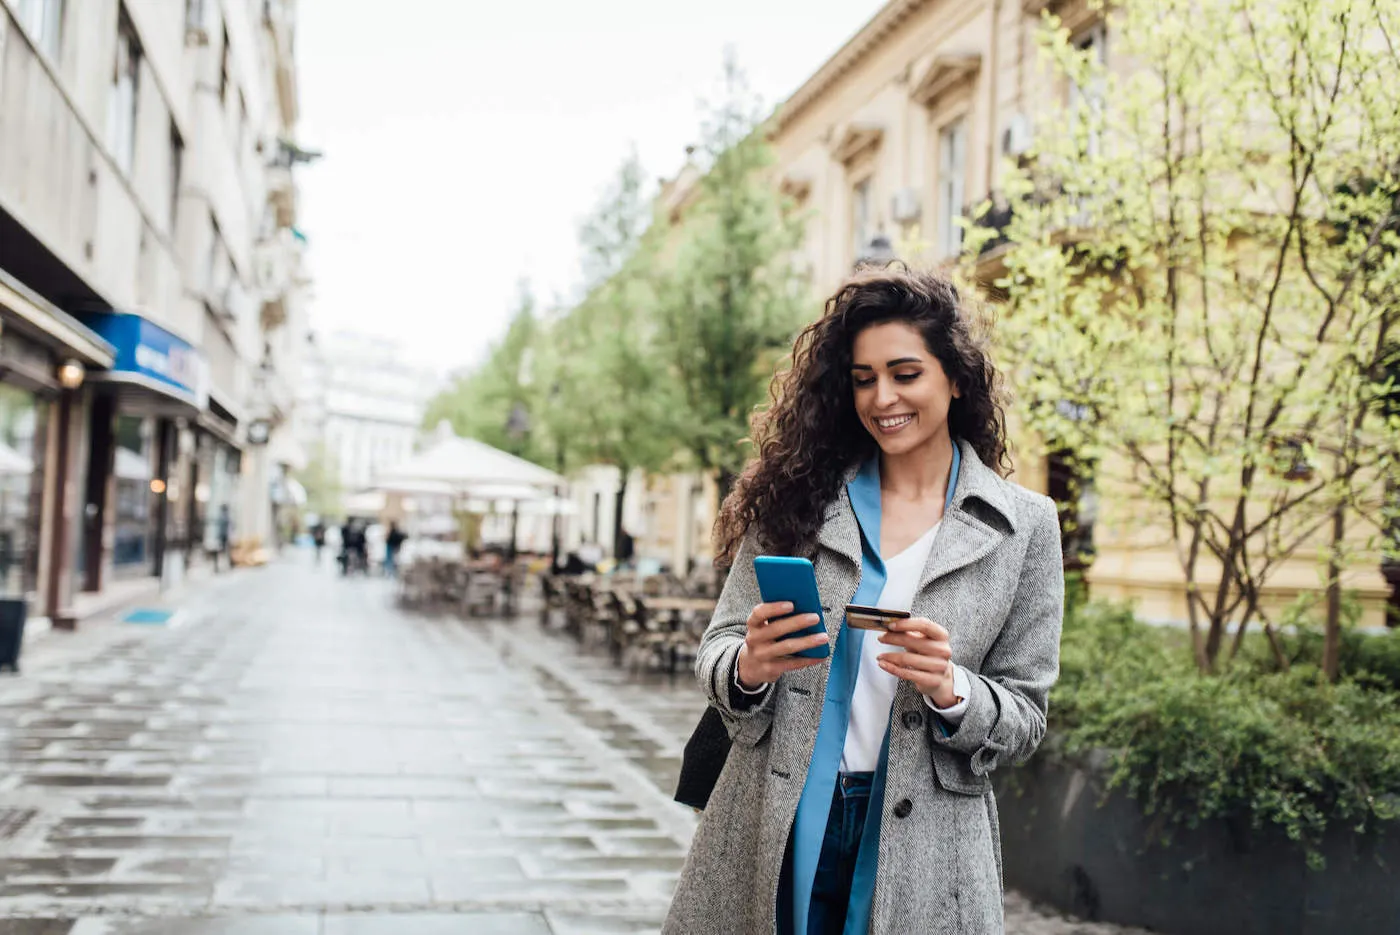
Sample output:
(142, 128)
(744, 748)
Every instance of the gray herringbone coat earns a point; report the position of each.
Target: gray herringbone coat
(994, 578)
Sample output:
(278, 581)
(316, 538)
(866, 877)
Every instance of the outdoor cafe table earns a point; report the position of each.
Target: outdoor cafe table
(679, 605)
(671, 610)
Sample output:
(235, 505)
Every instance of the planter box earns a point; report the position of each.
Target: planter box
(1064, 845)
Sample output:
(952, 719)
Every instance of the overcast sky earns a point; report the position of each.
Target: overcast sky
(464, 140)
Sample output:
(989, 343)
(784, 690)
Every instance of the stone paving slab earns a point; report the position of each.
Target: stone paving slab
(299, 756)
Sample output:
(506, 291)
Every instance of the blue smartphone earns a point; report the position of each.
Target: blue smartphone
(783, 578)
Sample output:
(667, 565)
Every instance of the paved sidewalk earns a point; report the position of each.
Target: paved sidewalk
(299, 756)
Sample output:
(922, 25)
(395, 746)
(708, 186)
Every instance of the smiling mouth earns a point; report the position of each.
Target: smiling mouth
(891, 423)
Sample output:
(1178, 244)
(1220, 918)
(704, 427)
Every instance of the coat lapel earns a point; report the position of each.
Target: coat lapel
(840, 532)
(963, 538)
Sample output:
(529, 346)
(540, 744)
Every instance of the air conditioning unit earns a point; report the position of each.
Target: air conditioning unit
(1016, 138)
(905, 207)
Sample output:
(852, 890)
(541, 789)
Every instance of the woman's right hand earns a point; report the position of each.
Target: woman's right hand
(763, 658)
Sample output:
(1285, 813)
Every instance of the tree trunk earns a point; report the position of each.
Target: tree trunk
(618, 532)
(1332, 640)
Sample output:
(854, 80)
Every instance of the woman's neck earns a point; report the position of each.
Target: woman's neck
(920, 474)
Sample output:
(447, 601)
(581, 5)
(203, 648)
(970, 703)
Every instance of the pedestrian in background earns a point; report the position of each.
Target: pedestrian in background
(318, 538)
(224, 534)
(393, 541)
(856, 797)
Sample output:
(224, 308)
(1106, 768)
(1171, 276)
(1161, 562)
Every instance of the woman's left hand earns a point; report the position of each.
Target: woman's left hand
(927, 660)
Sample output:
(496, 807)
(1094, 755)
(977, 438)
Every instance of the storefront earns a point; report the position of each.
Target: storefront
(139, 514)
(46, 357)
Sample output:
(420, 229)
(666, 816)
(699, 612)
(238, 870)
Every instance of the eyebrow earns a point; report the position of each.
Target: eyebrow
(890, 363)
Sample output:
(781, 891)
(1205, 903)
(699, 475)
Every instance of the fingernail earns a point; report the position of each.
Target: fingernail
(822, 638)
(786, 605)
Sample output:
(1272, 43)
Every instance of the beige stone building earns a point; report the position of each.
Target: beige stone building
(907, 127)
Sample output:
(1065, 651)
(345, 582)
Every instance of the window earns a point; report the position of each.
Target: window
(195, 11)
(43, 20)
(177, 162)
(1093, 43)
(122, 95)
(861, 233)
(242, 124)
(952, 174)
(218, 271)
(223, 69)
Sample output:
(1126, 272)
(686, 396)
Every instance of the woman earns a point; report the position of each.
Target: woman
(856, 796)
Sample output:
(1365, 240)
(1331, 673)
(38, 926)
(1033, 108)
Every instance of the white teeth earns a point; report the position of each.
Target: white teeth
(893, 421)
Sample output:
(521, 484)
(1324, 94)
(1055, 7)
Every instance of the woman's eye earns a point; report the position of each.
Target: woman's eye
(867, 381)
(907, 377)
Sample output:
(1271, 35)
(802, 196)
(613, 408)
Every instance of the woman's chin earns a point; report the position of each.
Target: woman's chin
(897, 444)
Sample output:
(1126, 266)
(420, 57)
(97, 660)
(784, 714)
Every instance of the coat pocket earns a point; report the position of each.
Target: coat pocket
(954, 772)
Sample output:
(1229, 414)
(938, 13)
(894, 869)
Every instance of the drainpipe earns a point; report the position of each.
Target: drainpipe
(992, 94)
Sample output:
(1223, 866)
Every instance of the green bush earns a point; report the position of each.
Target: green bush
(1363, 656)
(1266, 747)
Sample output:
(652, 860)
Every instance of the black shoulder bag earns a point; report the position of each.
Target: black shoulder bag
(703, 760)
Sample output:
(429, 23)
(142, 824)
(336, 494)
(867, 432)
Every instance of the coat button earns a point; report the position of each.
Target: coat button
(913, 720)
(903, 808)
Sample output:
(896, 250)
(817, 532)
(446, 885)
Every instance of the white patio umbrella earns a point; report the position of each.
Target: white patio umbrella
(462, 463)
(475, 470)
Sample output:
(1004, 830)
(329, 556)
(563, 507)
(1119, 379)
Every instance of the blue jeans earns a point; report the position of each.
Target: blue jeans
(831, 888)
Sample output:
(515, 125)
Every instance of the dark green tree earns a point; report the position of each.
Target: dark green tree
(732, 300)
(605, 396)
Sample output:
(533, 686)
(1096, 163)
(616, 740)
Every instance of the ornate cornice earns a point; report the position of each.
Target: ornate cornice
(857, 139)
(881, 25)
(945, 73)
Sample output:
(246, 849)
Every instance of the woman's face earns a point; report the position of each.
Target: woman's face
(902, 394)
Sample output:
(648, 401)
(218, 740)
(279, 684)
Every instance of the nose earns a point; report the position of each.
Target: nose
(885, 395)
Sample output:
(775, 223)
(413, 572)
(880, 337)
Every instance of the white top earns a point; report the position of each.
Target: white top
(875, 688)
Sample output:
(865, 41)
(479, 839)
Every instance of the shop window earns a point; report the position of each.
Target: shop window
(23, 439)
(132, 476)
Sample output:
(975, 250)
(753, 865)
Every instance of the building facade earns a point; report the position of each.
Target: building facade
(362, 404)
(901, 132)
(151, 268)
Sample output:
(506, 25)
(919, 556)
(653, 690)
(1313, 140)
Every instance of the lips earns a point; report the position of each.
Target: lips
(893, 423)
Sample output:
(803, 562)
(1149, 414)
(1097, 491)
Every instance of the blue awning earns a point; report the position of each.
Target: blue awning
(149, 356)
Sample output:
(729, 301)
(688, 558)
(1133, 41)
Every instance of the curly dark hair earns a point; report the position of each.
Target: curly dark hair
(810, 436)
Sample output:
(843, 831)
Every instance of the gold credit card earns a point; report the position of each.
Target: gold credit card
(873, 618)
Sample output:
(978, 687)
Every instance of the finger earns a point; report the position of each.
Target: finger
(779, 648)
(930, 664)
(926, 682)
(780, 628)
(793, 663)
(760, 615)
(918, 644)
(922, 625)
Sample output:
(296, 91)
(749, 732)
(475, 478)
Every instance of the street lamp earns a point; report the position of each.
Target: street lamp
(70, 375)
(879, 253)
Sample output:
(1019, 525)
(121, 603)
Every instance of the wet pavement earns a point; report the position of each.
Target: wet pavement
(293, 755)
